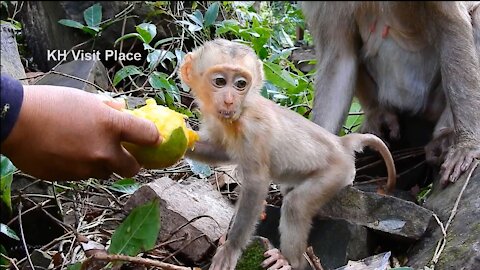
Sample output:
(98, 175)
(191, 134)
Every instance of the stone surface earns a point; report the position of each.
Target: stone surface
(91, 71)
(335, 242)
(181, 203)
(40, 260)
(10, 62)
(397, 217)
(301, 58)
(462, 250)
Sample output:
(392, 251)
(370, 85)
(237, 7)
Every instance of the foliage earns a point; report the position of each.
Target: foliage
(7, 172)
(4, 229)
(252, 257)
(126, 185)
(3, 261)
(424, 193)
(270, 29)
(8, 16)
(75, 266)
(92, 17)
(138, 232)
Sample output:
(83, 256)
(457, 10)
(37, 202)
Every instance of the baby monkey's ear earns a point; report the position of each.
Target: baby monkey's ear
(186, 69)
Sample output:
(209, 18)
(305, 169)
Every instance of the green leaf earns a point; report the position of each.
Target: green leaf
(89, 30)
(165, 40)
(158, 80)
(147, 31)
(211, 14)
(284, 39)
(93, 15)
(8, 232)
(179, 55)
(353, 122)
(126, 185)
(3, 261)
(71, 23)
(6, 179)
(276, 75)
(196, 17)
(227, 26)
(191, 27)
(174, 91)
(7, 166)
(127, 36)
(75, 266)
(138, 232)
(95, 29)
(158, 56)
(161, 96)
(125, 72)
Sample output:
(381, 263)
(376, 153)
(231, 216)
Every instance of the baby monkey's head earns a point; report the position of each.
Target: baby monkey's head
(222, 74)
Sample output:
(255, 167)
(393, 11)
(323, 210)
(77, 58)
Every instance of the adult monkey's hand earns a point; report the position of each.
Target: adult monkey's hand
(64, 133)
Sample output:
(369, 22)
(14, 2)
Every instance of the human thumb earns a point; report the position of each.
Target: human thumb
(138, 131)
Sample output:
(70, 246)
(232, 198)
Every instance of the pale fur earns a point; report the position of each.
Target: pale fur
(271, 143)
(427, 64)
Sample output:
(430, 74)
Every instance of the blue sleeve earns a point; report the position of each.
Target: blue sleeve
(11, 98)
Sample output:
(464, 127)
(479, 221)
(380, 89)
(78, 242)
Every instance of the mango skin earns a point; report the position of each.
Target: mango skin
(177, 138)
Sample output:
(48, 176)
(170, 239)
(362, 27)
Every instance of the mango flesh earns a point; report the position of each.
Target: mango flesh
(177, 138)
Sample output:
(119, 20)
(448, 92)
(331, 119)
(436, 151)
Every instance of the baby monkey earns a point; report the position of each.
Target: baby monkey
(268, 143)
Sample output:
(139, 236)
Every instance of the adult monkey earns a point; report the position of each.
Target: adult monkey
(417, 57)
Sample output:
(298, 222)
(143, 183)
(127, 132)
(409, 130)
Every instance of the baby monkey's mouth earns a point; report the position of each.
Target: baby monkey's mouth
(226, 114)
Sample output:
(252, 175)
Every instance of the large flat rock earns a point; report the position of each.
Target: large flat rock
(335, 242)
(10, 62)
(92, 71)
(193, 200)
(462, 248)
(399, 218)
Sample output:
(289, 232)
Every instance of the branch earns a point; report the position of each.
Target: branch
(139, 260)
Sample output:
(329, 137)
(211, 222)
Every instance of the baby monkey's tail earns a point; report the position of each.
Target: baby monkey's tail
(356, 142)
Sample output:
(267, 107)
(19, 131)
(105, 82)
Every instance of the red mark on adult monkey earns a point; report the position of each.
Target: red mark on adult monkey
(268, 143)
(424, 62)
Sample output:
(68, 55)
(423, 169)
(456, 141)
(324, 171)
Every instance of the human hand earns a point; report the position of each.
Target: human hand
(64, 133)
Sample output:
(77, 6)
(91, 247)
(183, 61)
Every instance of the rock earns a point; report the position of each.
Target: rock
(10, 62)
(377, 262)
(333, 241)
(92, 71)
(462, 249)
(402, 219)
(181, 203)
(301, 56)
(40, 260)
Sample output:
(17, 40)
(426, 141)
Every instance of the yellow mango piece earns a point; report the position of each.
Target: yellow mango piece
(177, 138)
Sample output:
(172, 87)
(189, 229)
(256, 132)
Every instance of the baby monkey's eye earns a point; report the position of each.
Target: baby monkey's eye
(219, 82)
(240, 84)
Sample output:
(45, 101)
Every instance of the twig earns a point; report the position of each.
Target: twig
(77, 78)
(183, 238)
(191, 221)
(385, 178)
(62, 224)
(395, 158)
(12, 261)
(47, 246)
(187, 244)
(23, 235)
(314, 259)
(442, 242)
(139, 260)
